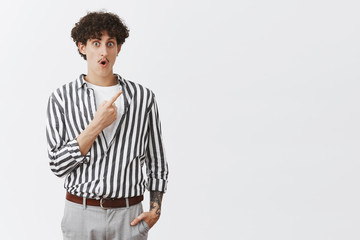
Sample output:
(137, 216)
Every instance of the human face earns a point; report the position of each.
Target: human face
(100, 54)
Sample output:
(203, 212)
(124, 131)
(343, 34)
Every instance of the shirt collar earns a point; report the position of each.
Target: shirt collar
(81, 81)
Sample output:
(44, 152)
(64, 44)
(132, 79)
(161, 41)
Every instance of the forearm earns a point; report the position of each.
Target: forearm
(68, 157)
(104, 116)
(65, 158)
(66, 154)
(156, 164)
(155, 202)
(88, 136)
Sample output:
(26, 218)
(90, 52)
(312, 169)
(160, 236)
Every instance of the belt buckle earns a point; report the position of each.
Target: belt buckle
(101, 204)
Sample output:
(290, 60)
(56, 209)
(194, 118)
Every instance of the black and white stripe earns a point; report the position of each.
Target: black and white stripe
(109, 170)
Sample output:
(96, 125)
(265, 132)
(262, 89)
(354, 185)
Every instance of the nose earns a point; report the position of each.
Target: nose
(103, 51)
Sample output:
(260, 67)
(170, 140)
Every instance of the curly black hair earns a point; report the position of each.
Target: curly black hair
(94, 23)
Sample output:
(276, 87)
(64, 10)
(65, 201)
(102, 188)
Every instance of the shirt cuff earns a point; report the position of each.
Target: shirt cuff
(75, 153)
(157, 185)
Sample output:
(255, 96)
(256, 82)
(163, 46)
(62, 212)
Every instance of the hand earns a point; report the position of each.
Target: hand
(149, 217)
(107, 112)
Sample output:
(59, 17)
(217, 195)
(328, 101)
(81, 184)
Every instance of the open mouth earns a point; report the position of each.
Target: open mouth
(103, 62)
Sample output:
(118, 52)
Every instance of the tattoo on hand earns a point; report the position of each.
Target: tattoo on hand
(155, 201)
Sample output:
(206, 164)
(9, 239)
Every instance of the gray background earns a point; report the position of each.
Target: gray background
(259, 102)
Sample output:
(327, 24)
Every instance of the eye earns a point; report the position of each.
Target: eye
(96, 44)
(111, 44)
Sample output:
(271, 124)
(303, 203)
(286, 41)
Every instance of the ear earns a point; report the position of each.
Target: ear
(82, 48)
(118, 48)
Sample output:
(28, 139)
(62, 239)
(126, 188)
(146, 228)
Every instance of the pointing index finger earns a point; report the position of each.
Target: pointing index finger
(113, 98)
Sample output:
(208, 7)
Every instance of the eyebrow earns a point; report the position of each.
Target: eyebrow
(99, 38)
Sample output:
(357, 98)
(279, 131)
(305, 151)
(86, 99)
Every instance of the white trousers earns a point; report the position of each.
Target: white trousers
(94, 223)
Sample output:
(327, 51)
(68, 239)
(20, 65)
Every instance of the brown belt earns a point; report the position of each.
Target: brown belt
(105, 203)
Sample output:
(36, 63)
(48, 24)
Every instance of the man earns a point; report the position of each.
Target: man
(101, 130)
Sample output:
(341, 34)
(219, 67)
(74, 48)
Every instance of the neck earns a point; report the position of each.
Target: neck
(101, 80)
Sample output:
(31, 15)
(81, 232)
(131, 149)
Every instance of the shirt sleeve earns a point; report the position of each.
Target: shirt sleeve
(64, 153)
(157, 167)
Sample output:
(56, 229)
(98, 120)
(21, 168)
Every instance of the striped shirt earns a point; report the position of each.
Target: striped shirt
(110, 169)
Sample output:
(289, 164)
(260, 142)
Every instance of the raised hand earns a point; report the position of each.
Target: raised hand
(104, 116)
(106, 112)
